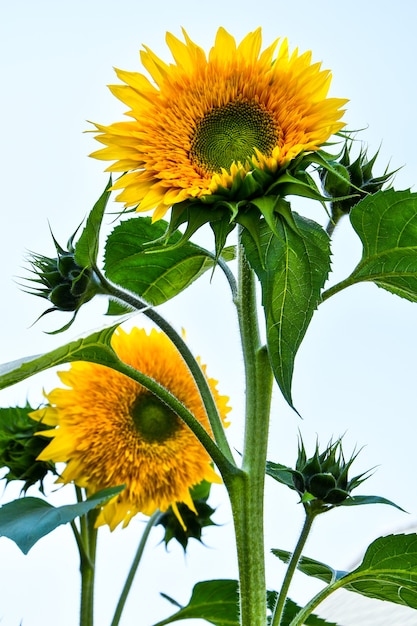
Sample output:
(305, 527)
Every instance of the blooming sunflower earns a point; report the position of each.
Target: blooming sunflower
(109, 430)
(204, 123)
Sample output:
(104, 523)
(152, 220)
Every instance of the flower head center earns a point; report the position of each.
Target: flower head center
(231, 133)
(153, 420)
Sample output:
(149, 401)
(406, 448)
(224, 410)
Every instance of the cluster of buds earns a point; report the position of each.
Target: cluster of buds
(322, 480)
(351, 180)
(20, 447)
(62, 281)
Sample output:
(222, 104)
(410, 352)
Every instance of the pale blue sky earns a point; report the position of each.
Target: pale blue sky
(356, 370)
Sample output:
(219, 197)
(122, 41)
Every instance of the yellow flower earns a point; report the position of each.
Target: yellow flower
(109, 430)
(204, 123)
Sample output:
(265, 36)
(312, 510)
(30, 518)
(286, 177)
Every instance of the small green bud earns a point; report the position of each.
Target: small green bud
(336, 182)
(351, 178)
(322, 480)
(62, 281)
(193, 522)
(20, 446)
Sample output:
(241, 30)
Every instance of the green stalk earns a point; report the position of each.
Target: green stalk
(88, 535)
(292, 566)
(247, 490)
(129, 298)
(153, 520)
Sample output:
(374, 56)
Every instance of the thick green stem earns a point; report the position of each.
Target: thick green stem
(127, 297)
(153, 520)
(88, 535)
(292, 566)
(247, 490)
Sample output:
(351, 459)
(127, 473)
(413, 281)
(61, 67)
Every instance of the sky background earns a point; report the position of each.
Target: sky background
(356, 370)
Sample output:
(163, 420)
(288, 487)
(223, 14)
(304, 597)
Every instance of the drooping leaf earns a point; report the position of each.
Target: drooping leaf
(155, 275)
(215, 601)
(86, 248)
(292, 266)
(311, 567)
(95, 348)
(386, 223)
(291, 609)
(28, 519)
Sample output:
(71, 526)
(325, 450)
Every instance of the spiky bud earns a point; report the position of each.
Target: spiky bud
(192, 522)
(20, 447)
(351, 178)
(322, 480)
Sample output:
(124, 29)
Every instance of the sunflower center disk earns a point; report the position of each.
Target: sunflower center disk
(154, 421)
(231, 133)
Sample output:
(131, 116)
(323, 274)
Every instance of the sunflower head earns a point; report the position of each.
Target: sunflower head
(110, 431)
(210, 133)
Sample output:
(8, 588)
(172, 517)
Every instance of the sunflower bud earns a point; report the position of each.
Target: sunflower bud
(322, 480)
(19, 447)
(62, 281)
(193, 521)
(351, 178)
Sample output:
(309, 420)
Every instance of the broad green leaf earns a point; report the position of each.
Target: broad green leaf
(388, 572)
(291, 610)
(311, 567)
(86, 248)
(27, 519)
(154, 274)
(292, 266)
(215, 601)
(386, 223)
(95, 348)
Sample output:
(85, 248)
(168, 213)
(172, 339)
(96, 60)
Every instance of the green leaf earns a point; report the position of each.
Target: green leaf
(312, 567)
(215, 601)
(386, 223)
(291, 610)
(388, 572)
(86, 248)
(154, 274)
(358, 500)
(95, 348)
(27, 520)
(292, 266)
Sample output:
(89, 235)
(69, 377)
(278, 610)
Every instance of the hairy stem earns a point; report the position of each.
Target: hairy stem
(247, 490)
(292, 566)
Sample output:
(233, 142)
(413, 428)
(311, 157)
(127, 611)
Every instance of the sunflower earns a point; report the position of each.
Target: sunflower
(109, 430)
(203, 124)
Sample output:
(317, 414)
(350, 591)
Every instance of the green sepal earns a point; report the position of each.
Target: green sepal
(27, 519)
(292, 269)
